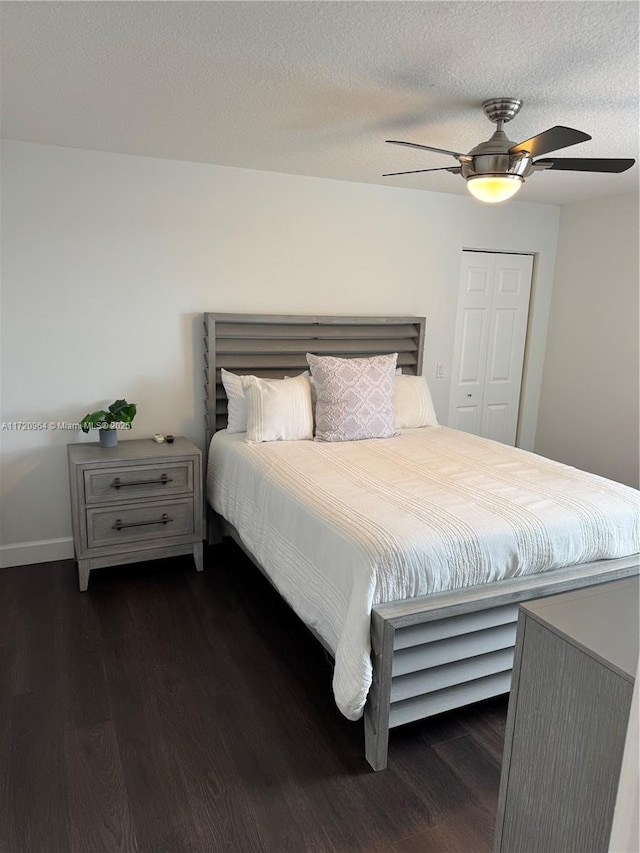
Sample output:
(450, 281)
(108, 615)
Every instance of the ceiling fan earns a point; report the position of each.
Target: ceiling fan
(496, 169)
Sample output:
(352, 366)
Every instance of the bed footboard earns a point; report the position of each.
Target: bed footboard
(446, 650)
(443, 651)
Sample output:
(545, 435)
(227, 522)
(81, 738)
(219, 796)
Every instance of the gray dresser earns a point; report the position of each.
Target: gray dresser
(573, 676)
(137, 501)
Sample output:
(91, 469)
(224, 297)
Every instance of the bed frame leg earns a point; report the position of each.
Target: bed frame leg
(376, 712)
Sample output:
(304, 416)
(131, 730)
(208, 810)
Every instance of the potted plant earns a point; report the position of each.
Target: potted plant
(107, 420)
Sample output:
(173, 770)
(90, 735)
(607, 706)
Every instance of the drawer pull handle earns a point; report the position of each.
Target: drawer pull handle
(162, 481)
(119, 525)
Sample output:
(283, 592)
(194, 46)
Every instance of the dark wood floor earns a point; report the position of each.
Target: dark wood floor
(166, 710)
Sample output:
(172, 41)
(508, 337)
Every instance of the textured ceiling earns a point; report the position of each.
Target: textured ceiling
(314, 88)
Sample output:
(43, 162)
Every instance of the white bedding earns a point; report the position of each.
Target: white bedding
(342, 526)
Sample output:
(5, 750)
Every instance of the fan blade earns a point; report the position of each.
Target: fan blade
(453, 169)
(550, 140)
(583, 164)
(429, 147)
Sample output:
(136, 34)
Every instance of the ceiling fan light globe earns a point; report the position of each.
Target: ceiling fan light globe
(492, 189)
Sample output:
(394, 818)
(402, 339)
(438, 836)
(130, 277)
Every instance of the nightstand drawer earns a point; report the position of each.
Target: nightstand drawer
(137, 481)
(107, 526)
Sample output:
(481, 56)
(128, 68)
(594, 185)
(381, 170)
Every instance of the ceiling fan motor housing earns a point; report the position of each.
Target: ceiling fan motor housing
(492, 158)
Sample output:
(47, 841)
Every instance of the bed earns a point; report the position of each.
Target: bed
(405, 648)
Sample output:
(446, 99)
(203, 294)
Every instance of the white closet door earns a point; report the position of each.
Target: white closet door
(491, 330)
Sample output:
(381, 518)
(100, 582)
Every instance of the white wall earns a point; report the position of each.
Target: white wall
(589, 403)
(109, 261)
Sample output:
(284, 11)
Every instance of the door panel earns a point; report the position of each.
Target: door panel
(467, 419)
(478, 280)
(501, 346)
(496, 422)
(491, 328)
(474, 336)
(508, 280)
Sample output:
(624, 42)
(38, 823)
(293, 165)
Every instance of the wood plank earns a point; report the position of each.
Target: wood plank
(194, 748)
(36, 775)
(250, 363)
(462, 647)
(429, 632)
(454, 836)
(451, 697)
(255, 761)
(11, 617)
(429, 680)
(485, 722)
(361, 346)
(99, 817)
(158, 801)
(316, 331)
(6, 704)
(86, 697)
(455, 818)
(476, 768)
(376, 714)
(311, 319)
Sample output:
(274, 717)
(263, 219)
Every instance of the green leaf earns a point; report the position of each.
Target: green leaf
(118, 412)
(118, 407)
(92, 420)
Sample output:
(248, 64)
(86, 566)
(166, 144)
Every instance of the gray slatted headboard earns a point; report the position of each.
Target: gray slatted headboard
(271, 345)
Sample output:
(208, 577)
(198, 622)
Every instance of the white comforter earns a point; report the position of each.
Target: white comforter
(342, 526)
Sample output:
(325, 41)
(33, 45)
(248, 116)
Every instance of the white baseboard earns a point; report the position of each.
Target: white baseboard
(44, 551)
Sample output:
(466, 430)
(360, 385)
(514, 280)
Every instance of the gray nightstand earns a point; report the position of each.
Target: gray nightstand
(137, 501)
(573, 676)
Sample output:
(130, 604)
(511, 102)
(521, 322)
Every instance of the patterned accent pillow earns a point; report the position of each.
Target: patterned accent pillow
(354, 397)
(278, 409)
(412, 402)
(236, 402)
(313, 386)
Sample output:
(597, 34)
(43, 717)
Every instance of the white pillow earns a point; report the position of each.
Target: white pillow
(278, 409)
(412, 403)
(236, 402)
